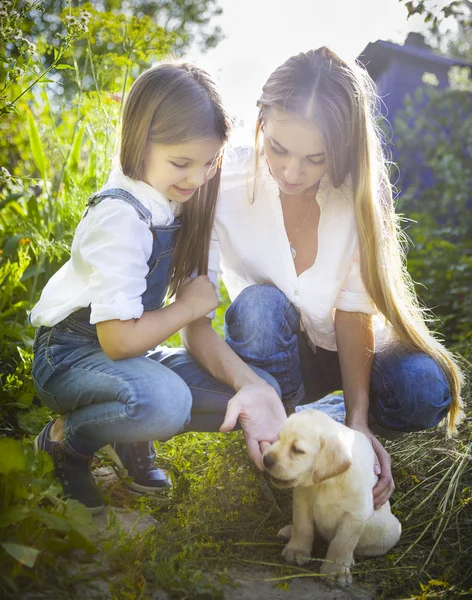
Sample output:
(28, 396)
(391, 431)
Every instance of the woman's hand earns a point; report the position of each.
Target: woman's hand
(261, 415)
(385, 485)
(198, 295)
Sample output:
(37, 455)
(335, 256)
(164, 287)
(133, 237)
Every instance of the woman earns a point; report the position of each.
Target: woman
(311, 257)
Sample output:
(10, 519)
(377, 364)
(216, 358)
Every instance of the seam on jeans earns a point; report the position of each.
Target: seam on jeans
(288, 402)
(47, 353)
(107, 375)
(201, 389)
(386, 386)
(68, 433)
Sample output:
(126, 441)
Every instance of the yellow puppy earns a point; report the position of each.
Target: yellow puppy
(331, 469)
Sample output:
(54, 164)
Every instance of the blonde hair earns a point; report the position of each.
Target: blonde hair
(340, 99)
(174, 103)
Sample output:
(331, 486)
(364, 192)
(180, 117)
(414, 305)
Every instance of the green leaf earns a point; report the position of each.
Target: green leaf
(23, 554)
(12, 456)
(63, 66)
(33, 271)
(74, 156)
(25, 399)
(36, 145)
(33, 211)
(12, 515)
(81, 541)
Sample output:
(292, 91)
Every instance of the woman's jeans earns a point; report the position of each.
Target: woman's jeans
(408, 391)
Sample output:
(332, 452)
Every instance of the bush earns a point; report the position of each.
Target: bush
(433, 138)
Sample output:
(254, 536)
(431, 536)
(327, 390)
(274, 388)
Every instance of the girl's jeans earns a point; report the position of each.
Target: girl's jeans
(408, 391)
(141, 399)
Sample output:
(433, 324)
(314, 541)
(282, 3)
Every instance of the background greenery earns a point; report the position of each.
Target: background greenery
(64, 70)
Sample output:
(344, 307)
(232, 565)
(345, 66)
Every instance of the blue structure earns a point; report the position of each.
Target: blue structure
(398, 70)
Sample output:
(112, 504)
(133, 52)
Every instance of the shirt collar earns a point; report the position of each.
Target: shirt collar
(141, 191)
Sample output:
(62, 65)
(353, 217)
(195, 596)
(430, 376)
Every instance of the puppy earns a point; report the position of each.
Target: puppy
(331, 469)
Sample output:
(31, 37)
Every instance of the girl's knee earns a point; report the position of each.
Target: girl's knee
(161, 411)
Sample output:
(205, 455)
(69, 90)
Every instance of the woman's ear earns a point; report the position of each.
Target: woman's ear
(332, 459)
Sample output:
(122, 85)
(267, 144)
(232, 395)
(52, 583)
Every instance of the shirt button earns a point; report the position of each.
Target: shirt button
(296, 292)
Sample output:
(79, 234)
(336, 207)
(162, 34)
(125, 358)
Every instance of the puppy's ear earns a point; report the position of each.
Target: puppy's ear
(332, 460)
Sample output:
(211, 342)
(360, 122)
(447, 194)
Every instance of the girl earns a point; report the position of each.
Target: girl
(311, 257)
(104, 309)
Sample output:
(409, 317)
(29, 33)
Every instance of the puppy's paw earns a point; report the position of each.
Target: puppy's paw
(341, 573)
(285, 534)
(295, 555)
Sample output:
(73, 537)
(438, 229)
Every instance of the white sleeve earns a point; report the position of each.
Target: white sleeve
(353, 296)
(116, 245)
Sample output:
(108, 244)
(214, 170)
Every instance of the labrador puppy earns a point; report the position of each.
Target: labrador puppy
(331, 469)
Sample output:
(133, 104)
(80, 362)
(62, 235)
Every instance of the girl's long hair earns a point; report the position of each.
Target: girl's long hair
(175, 103)
(340, 100)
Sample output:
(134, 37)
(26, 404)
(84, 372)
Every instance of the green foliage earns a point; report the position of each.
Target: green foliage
(217, 500)
(435, 14)
(32, 531)
(434, 140)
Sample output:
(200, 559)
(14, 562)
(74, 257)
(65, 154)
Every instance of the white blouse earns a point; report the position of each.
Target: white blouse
(108, 262)
(254, 247)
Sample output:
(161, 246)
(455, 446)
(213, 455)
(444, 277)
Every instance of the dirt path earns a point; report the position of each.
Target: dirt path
(251, 582)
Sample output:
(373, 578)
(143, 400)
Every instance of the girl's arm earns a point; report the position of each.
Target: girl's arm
(256, 404)
(134, 337)
(355, 342)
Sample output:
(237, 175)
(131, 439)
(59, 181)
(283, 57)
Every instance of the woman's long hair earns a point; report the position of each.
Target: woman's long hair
(176, 103)
(340, 100)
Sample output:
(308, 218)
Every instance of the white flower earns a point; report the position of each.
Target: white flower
(5, 173)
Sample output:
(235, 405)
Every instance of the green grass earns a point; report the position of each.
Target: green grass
(222, 515)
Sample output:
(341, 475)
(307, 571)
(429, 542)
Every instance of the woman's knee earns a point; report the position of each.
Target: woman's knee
(262, 319)
(409, 392)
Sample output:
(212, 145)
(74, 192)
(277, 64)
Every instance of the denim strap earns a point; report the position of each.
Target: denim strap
(143, 213)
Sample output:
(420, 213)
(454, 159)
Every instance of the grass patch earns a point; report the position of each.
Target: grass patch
(221, 514)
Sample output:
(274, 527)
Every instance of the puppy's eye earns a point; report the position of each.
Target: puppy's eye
(296, 450)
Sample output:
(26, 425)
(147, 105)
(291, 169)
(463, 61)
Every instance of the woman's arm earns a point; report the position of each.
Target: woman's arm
(256, 404)
(134, 337)
(355, 342)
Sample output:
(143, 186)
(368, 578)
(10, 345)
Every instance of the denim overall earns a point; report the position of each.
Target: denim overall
(158, 277)
(73, 376)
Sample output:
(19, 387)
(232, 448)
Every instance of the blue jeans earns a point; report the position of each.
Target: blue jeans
(408, 391)
(147, 398)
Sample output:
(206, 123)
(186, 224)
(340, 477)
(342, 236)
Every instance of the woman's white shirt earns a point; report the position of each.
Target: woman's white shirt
(254, 248)
(109, 254)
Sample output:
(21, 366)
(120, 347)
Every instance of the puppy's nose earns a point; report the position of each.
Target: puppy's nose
(269, 461)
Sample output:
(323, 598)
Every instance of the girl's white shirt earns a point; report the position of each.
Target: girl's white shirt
(109, 255)
(254, 247)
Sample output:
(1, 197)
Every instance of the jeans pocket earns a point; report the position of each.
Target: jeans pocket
(47, 399)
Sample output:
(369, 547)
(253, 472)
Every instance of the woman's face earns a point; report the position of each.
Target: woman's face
(178, 170)
(294, 152)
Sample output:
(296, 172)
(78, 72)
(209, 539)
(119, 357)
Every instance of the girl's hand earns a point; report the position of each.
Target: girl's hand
(261, 414)
(198, 295)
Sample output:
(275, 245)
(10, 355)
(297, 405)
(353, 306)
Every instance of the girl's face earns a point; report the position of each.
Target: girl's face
(178, 170)
(294, 152)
